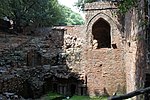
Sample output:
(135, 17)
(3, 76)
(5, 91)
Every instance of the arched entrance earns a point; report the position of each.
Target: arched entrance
(101, 34)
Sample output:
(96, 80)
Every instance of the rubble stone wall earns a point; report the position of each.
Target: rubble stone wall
(47, 48)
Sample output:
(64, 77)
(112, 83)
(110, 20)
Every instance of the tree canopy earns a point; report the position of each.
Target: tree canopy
(24, 12)
(125, 5)
(38, 12)
(70, 17)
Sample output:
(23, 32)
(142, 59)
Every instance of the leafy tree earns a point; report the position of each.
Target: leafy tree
(38, 12)
(125, 5)
(70, 17)
(24, 12)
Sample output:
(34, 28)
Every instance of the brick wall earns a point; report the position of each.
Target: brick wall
(104, 67)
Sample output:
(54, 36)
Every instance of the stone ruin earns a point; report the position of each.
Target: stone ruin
(102, 57)
(34, 65)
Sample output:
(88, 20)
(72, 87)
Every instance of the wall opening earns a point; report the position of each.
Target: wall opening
(55, 87)
(101, 34)
(72, 89)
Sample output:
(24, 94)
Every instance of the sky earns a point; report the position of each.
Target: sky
(70, 4)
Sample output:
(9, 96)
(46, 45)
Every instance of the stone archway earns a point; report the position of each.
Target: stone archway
(101, 34)
(111, 24)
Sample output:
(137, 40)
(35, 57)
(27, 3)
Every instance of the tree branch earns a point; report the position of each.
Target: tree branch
(30, 6)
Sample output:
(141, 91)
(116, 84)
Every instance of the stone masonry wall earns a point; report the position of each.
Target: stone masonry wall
(104, 67)
(104, 72)
(74, 38)
(134, 50)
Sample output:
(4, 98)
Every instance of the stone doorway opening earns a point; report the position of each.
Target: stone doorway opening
(72, 89)
(55, 87)
(27, 91)
(101, 34)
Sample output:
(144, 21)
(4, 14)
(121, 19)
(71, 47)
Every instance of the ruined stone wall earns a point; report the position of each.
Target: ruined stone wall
(55, 51)
(72, 47)
(104, 67)
(76, 30)
(135, 49)
(22, 54)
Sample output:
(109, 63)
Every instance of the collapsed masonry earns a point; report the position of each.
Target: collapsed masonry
(105, 56)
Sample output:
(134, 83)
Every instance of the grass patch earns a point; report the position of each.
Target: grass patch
(52, 95)
(99, 98)
(75, 97)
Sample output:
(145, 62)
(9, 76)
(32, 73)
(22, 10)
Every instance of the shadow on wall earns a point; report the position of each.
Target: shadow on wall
(141, 67)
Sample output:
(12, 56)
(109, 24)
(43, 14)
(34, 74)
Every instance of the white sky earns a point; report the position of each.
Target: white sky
(70, 4)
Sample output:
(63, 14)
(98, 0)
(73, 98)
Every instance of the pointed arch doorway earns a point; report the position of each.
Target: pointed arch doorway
(101, 34)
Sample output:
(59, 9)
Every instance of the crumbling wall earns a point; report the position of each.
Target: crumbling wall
(47, 47)
(74, 38)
